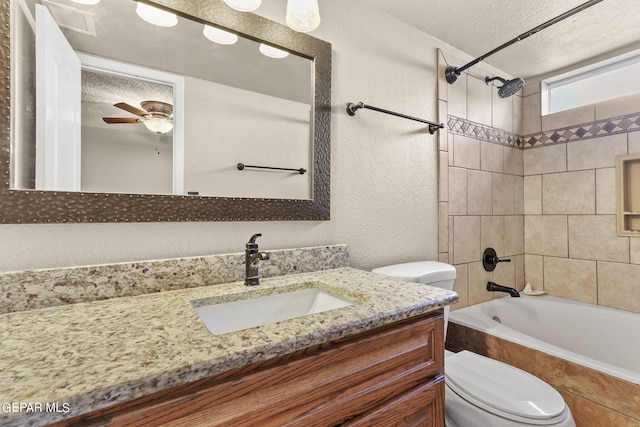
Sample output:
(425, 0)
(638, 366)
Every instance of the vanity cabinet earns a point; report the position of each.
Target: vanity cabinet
(391, 375)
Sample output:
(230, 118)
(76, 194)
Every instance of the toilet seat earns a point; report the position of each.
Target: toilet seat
(502, 389)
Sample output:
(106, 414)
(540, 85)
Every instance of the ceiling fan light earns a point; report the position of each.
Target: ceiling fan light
(86, 1)
(158, 124)
(244, 5)
(272, 52)
(156, 16)
(303, 15)
(219, 36)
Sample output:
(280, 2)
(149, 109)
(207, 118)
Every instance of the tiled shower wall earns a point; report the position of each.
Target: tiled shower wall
(481, 183)
(572, 249)
(540, 190)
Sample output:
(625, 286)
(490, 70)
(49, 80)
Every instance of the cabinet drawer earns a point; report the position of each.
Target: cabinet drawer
(421, 407)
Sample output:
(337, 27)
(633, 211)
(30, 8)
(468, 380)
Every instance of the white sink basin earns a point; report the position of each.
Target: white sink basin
(238, 315)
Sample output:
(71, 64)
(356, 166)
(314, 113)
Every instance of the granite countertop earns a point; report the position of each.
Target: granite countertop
(60, 362)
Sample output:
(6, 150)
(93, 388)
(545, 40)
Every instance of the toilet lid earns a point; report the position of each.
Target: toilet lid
(501, 388)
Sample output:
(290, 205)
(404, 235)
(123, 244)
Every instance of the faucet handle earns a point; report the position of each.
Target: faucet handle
(251, 244)
(490, 259)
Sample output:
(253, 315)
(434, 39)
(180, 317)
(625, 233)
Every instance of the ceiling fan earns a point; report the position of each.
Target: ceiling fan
(157, 116)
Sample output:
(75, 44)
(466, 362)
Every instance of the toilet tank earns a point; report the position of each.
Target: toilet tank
(431, 273)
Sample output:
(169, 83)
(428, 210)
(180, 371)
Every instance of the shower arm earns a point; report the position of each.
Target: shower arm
(452, 73)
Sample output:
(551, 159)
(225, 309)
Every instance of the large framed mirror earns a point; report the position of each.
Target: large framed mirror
(169, 123)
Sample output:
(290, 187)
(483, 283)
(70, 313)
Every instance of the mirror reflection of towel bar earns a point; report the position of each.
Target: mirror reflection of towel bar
(242, 166)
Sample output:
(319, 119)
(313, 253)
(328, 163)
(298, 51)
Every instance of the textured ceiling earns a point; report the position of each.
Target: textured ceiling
(478, 26)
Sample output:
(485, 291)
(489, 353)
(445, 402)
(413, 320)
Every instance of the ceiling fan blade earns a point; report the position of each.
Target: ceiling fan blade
(112, 120)
(131, 109)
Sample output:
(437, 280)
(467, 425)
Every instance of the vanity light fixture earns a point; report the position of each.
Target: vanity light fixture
(303, 15)
(272, 52)
(244, 5)
(88, 2)
(157, 124)
(156, 16)
(219, 36)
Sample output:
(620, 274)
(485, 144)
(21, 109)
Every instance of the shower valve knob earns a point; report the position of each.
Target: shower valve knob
(490, 259)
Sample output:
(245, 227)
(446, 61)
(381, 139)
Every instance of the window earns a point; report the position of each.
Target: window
(598, 82)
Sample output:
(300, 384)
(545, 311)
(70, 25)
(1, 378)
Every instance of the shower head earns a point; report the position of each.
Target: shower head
(508, 88)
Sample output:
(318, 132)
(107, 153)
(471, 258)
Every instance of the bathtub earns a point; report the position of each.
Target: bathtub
(603, 339)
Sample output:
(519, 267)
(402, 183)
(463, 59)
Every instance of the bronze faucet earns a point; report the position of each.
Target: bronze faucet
(252, 257)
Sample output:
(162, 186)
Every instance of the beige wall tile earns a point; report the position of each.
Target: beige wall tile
(575, 116)
(606, 191)
(457, 101)
(443, 173)
(574, 279)
(451, 147)
(533, 195)
(513, 235)
(534, 271)
(531, 121)
(466, 239)
(634, 142)
(596, 152)
(478, 279)
(546, 235)
(451, 248)
(480, 190)
(503, 194)
(548, 159)
(518, 195)
(466, 152)
(478, 101)
(443, 137)
(618, 106)
(492, 233)
(634, 248)
(461, 286)
(594, 237)
(517, 115)
(569, 193)
(519, 261)
(618, 286)
(530, 89)
(491, 157)
(443, 227)
(505, 275)
(457, 191)
(502, 112)
(513, 161)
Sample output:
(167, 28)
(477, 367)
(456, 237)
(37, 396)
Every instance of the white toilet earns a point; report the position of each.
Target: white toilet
(479, 391)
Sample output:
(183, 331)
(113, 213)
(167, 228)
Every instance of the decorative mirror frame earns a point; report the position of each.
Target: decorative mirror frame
(35, 206)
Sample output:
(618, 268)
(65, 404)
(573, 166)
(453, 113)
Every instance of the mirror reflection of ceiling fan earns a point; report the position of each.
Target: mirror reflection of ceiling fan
(156, 116)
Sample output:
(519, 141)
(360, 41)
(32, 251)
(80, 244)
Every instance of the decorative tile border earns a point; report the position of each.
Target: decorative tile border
(622, 124)
(599, 128)
(486, 133)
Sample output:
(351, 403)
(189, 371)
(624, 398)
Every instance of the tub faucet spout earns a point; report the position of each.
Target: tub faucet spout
(493, 287)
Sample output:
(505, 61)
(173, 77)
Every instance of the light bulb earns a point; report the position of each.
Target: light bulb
(272, 52)
(156, 16)
(158, 124)
(303, 15)
(219, 36)
(244, 5)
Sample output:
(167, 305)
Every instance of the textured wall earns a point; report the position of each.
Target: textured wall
(384, 169)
